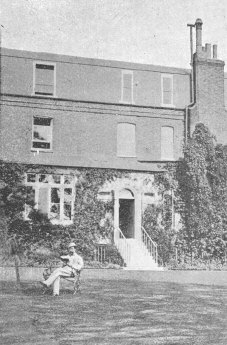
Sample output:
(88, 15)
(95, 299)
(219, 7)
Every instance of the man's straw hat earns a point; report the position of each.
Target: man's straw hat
(72, 244)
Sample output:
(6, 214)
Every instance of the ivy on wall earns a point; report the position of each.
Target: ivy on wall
(157, 218)
(202, 180)
(199, 185)
(90, 224)
(37, 240)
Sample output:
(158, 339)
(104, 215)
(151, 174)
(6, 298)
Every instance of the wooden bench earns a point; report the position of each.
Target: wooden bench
(74, 278)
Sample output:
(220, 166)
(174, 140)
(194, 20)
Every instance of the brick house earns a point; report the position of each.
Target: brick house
(68, 112)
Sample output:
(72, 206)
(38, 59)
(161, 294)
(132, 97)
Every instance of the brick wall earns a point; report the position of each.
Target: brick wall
(93, 80)
(209, 96)
(85, 134)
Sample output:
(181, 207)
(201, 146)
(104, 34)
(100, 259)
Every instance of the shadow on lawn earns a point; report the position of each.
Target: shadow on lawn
(114, 312)
(29, 289)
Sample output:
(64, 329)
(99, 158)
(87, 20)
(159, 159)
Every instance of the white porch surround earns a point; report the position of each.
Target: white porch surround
(138, 211)
(139, 252)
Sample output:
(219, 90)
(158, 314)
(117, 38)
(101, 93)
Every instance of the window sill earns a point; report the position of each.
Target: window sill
(168, 159)
(168, 105)
(41, 150)
(124, 102)
(43, 95)
(61, 222)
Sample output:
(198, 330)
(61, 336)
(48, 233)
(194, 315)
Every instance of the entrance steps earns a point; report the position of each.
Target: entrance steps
(140, 258)
(136, 254)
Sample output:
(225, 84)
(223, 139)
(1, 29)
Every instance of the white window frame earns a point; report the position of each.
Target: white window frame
(34, 77)
(124, 155)
(51, 129)
(169, 76)
(162, 157)
(123, 73)
(50, 184)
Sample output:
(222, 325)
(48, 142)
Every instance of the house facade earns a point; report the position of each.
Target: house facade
(67, 113)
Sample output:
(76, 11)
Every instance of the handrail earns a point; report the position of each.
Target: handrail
(122, 245)
(150, 244)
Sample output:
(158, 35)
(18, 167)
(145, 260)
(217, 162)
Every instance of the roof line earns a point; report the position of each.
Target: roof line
(93, 61)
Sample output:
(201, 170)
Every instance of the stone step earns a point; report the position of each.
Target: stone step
(140, 259)
(143, 268)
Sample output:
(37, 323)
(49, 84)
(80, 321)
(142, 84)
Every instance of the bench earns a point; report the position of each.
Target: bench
(74, 278)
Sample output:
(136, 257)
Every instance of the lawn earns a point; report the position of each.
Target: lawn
(114, 312)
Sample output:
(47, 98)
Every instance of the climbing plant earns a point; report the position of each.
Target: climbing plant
(90, 221)
(13, 197)
(202, 178)
(199, 184)
(37, 239)
(158, 217)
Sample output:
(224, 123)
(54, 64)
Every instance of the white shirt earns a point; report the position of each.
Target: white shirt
(75, 261)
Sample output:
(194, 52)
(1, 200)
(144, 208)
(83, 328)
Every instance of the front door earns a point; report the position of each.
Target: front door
(127, 217)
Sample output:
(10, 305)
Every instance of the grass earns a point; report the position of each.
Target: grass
(114, 312)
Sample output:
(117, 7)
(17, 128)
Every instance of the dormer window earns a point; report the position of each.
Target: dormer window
(44, 79)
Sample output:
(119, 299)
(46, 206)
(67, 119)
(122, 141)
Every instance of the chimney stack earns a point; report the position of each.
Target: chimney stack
(198, 26)
(208, 77)
(215, 54)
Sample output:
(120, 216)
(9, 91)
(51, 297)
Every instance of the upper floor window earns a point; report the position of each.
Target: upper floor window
(44, 79)
(126, 140)
(127, 87)
(167, 89)
(42, 133)
(167, 143)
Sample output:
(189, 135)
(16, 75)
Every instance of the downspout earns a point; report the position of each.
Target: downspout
(192, 88)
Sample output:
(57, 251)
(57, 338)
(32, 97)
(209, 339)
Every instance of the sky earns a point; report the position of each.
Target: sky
(144, 31)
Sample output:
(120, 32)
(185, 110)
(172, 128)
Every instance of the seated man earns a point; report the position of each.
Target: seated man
(73, 263)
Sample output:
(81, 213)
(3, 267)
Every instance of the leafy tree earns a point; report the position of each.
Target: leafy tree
(18, 236)
(202, 181)
(13, 197)
(158, 225)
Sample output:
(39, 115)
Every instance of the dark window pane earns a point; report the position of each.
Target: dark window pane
(42, 121)
(31, 177)
(67, 211)
(39, 145)
(30, 195)
(68, 191)
(41, 66)
(43, 178)
(55, 195)
(55, 211)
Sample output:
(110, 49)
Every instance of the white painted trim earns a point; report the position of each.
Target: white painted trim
(124, 72)
(36, 185)
(34, 77)
(170, 76)
(137, 209)
(51, 139)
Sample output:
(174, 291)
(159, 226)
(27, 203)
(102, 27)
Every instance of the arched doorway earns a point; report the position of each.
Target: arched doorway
(127, 213)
